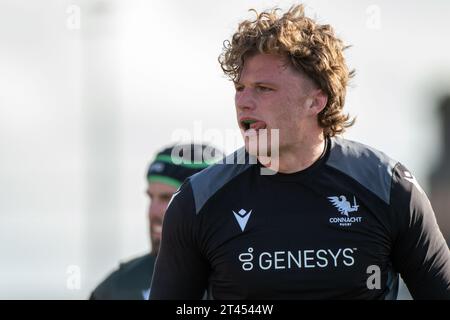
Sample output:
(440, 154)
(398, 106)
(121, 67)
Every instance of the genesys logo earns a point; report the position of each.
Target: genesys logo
(298, 259)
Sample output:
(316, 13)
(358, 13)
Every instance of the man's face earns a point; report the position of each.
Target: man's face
(160, 195)
(271, 94)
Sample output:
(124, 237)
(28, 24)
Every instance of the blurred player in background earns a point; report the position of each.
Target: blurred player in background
(165, 175)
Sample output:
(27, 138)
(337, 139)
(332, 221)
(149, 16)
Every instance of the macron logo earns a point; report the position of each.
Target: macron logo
(242, 217)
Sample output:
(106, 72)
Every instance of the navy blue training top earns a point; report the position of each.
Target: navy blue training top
(344, 228)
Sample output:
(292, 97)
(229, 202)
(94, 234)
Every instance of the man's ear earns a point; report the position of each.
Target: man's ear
(317, 101)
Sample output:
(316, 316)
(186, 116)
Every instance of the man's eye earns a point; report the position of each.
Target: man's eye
(263, 89)
(239, 88)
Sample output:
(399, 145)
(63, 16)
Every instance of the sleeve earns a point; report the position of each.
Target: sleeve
(181, 271)
(420, 252)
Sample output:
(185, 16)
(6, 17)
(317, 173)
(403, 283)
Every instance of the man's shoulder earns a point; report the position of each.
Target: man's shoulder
(209, 181)
(129, 272)
(368, 166)
(345, 149)
(130, 267)
(144, 261)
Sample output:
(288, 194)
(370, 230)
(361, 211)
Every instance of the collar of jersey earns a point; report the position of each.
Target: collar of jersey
(290, 177)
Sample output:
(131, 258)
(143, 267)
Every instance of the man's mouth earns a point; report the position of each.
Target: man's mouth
(256, 125)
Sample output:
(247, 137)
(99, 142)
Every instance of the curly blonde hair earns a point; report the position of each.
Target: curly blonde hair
(311, 48)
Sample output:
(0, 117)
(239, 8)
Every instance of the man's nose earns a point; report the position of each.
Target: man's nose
(244, 99)
(157, 208)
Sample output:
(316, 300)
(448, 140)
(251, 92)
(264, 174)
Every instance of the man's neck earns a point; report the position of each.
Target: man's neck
(301, 155)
